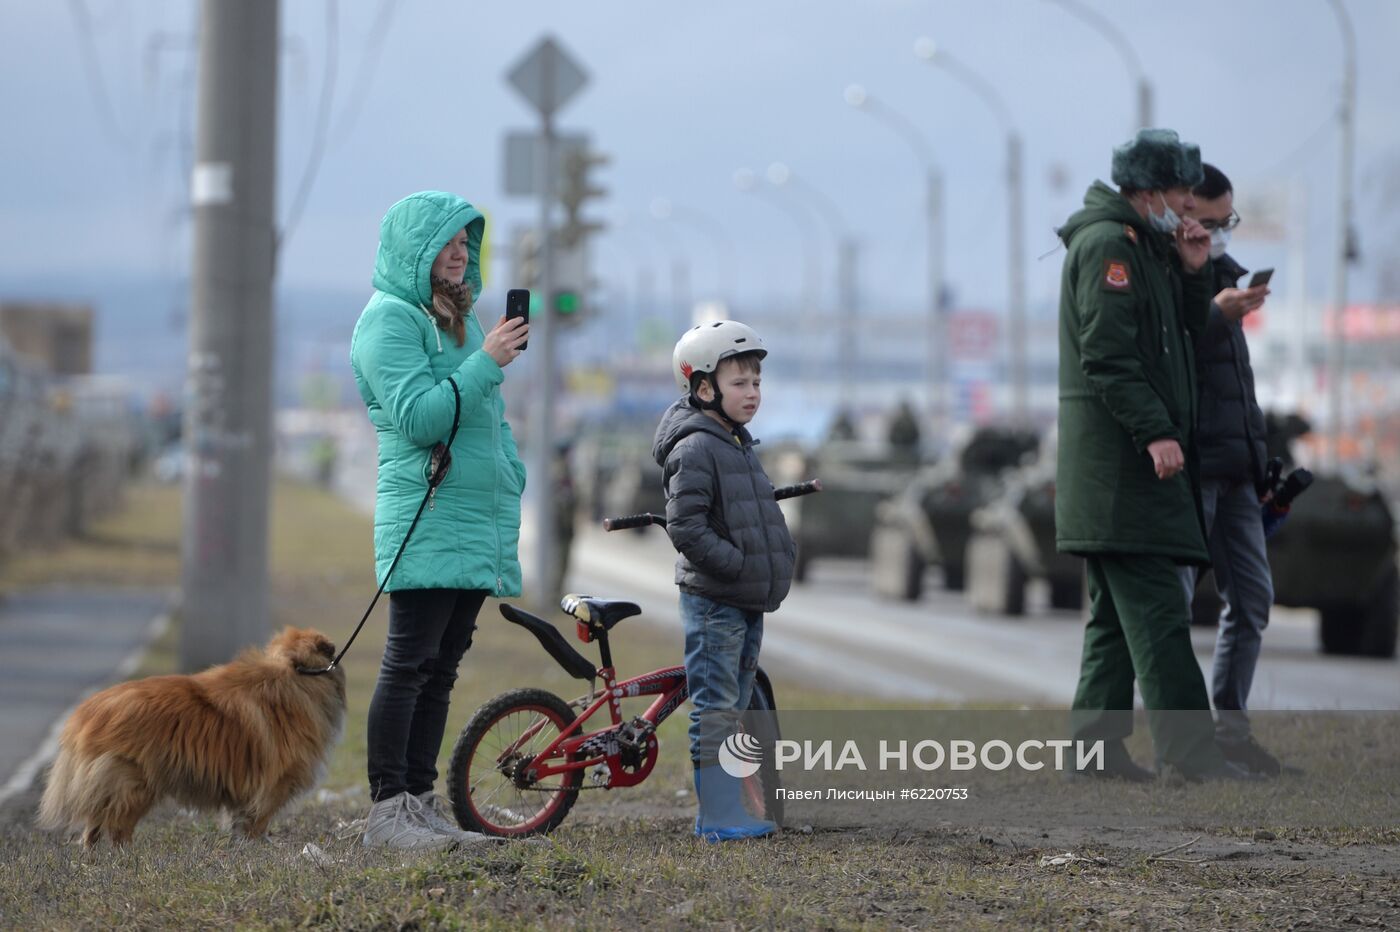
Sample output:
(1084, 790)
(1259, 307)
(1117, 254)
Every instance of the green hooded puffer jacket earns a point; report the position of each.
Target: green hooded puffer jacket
(468, 537)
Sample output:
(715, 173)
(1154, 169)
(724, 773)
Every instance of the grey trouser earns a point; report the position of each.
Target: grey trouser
(1241, 563)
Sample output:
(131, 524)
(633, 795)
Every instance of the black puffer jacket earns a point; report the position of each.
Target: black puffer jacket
(732, 539)
(1230, 426)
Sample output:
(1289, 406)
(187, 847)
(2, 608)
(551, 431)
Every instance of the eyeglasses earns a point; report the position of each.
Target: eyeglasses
(1229, 223)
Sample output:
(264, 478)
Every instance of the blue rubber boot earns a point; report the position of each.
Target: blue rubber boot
(722, 815)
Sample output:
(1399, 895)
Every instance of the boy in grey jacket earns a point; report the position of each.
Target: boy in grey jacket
(735, 558)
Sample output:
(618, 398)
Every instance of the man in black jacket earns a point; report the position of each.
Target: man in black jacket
(1230, 437)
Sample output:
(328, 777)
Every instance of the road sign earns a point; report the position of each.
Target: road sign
(547, 77)
(522, 148)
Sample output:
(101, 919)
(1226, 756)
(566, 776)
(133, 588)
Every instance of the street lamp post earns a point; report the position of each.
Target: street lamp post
(1015, 221)
(1106, 28)
(847, 260)
(1337, 362)
(663, 208)
(937, 360)
(746, 180)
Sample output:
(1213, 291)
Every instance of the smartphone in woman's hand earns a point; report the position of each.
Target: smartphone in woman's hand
(518, 306)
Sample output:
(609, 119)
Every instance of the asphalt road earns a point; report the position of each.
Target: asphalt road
(57, 646)
(833, 630)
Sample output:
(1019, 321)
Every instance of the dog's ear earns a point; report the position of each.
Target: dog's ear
(302, 647)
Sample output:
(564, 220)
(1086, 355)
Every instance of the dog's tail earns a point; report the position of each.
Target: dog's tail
(59, 807)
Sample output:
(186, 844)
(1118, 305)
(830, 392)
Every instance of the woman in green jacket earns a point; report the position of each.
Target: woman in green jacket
(421, 359)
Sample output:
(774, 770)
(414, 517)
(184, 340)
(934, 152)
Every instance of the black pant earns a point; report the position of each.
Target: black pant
(429, 631)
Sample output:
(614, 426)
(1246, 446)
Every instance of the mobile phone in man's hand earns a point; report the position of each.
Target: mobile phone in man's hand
(1261, 277)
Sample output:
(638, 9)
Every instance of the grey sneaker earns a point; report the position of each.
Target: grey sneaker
(398, 822)
(438, 818)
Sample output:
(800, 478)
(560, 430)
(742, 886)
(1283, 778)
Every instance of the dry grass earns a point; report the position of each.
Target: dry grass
(626, 857)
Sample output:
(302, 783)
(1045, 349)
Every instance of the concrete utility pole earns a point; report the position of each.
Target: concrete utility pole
(228, 411)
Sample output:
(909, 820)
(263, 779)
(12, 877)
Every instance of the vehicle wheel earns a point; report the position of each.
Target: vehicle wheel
(1206, 603)
(896, 567)
(801, 564)
(1340, 629)
(996, 581)
(760, 791)
(487, 777)
(1067, 593)
(1367, 629)
(1381, 618)
(1205, 607)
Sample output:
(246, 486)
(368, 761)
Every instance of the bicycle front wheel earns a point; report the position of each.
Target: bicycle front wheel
(489, 779)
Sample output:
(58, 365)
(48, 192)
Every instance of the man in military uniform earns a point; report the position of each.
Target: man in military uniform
(1135, 289)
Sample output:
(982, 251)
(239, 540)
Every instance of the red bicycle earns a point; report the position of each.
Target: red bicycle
(519, 763)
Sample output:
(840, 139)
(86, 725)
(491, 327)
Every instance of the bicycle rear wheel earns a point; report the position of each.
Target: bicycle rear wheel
(488, 778)
(760, 791)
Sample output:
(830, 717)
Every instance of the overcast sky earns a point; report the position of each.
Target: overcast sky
(682, 95)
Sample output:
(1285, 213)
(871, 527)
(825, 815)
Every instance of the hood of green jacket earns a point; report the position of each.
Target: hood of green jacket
(412, 234)
(1103, 203)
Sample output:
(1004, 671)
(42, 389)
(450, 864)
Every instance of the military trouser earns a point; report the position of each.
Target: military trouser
(1139, 629)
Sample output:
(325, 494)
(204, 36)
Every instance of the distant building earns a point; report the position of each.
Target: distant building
(56, 336)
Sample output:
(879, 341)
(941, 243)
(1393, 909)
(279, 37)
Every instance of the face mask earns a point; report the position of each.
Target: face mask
(1219, 239)
(1165, 222)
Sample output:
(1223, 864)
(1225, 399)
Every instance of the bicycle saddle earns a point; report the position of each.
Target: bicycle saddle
(598, 614)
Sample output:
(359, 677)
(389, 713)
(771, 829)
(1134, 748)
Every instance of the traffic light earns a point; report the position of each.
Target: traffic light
(528, 259)
(577, 190)
(571, 280)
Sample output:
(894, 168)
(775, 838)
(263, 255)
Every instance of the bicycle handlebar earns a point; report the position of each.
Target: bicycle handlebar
(800, 488)
(631, 521)
(642, 520)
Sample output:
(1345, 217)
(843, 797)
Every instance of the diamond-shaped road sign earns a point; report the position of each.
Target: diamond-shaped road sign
(547, 77)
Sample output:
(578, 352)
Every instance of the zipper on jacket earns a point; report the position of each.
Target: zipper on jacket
(498, 411)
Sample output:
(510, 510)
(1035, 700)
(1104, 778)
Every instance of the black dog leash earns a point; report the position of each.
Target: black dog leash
(443, 459)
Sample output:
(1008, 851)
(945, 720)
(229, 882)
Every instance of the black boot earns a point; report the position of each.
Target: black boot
(1250, 755)
(1117, 765)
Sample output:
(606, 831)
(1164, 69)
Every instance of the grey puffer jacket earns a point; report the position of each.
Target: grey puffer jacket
(733, 543)
(1230, 426)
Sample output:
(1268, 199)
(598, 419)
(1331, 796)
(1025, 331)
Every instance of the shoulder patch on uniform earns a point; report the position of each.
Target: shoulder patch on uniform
(1130, 233)
(1115, 275)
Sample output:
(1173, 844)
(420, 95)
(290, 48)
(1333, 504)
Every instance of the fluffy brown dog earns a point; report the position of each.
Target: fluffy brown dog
(247, 736)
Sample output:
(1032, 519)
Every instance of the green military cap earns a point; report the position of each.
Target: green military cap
(1156, 159)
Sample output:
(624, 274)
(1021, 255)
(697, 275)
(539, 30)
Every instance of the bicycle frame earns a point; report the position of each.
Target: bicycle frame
(628, 749)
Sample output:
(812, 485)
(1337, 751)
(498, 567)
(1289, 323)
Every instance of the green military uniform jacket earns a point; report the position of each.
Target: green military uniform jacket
(1128, 317)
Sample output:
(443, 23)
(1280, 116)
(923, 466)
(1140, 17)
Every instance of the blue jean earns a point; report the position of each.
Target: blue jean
(429, 631)
(721, 658)
(1240, 559)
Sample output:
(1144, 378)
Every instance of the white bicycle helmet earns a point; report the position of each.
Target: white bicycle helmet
(702, 348)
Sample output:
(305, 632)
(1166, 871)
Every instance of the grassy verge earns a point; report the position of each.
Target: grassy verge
(626, 856)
